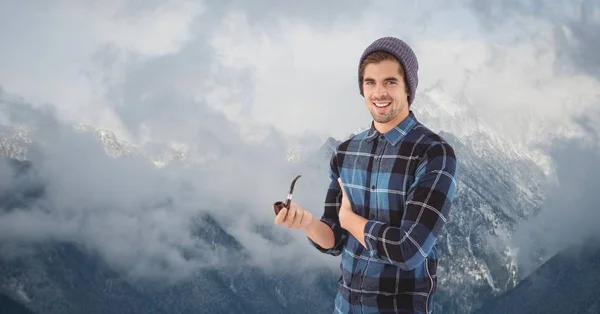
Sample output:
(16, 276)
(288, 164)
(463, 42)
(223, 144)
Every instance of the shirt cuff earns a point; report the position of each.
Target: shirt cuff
(339, 236)
(372, 232)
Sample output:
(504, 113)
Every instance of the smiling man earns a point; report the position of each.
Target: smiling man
(390, 195)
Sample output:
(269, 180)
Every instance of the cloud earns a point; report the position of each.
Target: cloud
(569, 216)
(262, 63)
(573, 24)
(235, 56)
(56, 48)
(142, 219)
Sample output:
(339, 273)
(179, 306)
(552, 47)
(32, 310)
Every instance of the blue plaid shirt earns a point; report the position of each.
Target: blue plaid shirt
(403, 182)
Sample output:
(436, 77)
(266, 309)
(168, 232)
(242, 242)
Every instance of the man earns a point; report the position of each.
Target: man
(390, 195)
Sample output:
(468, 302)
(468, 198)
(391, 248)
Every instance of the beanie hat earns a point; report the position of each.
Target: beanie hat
(404, 53)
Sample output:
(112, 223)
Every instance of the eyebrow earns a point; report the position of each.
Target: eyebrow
(391, 78)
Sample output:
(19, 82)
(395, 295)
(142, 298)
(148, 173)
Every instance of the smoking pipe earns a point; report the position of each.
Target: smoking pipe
(279, 205)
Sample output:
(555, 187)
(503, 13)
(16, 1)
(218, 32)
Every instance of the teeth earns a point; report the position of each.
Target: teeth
(381, 105)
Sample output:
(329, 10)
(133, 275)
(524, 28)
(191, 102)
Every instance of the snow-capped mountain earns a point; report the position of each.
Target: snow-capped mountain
(18, 140)
(14, 141)
(453, 114)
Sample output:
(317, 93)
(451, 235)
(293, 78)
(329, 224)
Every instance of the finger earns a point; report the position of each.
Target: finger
(344, 197)
(297, 219)
(306, 219)
(290, 217)
(302, 220)
(281, 216)
(342, 187)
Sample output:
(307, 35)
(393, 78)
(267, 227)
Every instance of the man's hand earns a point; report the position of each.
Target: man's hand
(294, 218)
(345, 208)
(349, 220)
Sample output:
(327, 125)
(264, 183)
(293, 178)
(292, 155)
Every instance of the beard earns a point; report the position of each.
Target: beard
(392, 111)
(385, 117)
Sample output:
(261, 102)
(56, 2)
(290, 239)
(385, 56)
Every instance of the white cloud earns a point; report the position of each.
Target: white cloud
(50, 57)
(517, 87)
(158, 30)
(302, 81)
(142, 219)
(570, 215)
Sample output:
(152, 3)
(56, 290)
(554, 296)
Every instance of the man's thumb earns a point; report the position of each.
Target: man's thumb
(341, 185)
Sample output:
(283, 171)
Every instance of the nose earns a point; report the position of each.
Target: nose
(380, 91)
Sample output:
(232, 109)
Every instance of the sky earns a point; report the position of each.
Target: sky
(251, 80)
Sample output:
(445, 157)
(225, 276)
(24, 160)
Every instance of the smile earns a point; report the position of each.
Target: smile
(381, 104)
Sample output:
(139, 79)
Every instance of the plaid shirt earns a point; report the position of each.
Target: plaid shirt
(403, 182)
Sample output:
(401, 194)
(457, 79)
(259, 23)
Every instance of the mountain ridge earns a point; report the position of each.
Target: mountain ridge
(567, 283)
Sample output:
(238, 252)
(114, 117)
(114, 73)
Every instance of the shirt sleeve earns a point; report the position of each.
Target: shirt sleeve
(426, 212)
(333, 200)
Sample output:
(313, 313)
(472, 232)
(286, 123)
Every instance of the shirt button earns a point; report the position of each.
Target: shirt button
(372, 215)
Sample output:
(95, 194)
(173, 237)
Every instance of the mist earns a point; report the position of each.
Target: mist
(570, 214)
(141, 218)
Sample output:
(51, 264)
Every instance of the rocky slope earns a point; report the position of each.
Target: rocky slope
(10, 306)
(567, 283)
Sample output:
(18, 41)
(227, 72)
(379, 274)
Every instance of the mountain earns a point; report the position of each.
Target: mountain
(14, 141)
(10, 306)
(567, 283)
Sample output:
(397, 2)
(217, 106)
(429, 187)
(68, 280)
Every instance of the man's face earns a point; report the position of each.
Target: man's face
(385, 92)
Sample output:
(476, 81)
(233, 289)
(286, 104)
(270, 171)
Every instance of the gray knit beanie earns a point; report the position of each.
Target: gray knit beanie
(404, 53)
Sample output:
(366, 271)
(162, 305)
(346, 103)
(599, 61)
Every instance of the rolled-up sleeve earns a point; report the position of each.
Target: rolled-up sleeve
(333, 200)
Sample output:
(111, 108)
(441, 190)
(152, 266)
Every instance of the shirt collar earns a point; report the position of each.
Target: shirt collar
(396, 134)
